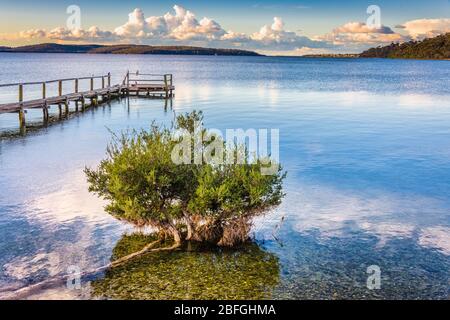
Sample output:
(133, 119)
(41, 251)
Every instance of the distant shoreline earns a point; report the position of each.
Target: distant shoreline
(435, 49)
(230, 55)
(127, 49)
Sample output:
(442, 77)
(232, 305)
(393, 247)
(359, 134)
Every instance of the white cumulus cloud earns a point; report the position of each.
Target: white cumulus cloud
(425, 28)
(358, 36)
(275, 36)
(182, 27)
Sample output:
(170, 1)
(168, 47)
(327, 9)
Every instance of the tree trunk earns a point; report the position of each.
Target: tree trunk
(176, 234)
(190, 228)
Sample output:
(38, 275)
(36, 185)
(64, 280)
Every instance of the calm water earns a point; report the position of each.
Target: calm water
(366, 144)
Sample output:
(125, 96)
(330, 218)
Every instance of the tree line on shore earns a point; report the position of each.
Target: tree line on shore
(437, 48)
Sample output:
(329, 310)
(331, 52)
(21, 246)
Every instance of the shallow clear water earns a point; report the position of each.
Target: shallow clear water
(366, 144)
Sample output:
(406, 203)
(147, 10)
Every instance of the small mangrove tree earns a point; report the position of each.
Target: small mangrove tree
(207, 202)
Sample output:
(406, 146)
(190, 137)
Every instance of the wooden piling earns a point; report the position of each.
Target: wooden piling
(20, 94)
(45, 112)
(22, 124)
(166, 86)
(66, 104)
(22, 118)
(76, 91)
(60, 94)
(60, 88)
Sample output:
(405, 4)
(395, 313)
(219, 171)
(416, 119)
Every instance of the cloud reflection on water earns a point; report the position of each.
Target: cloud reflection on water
(336, 213)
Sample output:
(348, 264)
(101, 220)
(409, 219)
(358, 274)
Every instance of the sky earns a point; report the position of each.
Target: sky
(286, 27)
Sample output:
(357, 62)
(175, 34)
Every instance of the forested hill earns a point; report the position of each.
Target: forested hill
(127, 49)
(432, 48)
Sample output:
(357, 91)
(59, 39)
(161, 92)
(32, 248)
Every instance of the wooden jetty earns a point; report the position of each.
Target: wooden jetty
(138, 84)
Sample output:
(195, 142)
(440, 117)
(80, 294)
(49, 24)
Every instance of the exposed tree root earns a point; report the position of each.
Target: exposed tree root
(23, 293)
(134, 254)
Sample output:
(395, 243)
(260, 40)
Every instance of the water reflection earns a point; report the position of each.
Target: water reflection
(336, 268)
(386, 216)
(366, 149)
(245, 273)
(46, 252)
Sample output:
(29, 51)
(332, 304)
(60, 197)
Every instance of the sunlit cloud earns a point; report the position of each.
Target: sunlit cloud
(275, 36)
(425, 28)
(359, 35)
(360, 27)
(182, 27)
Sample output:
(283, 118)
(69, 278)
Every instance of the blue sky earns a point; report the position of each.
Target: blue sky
(314, 19)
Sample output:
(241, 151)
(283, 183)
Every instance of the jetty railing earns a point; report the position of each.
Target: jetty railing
(149, 82)
(105, 82)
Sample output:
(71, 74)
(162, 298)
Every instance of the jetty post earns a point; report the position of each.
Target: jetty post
(76, 91)
(166, 86)
(21, 110)
(59, 94)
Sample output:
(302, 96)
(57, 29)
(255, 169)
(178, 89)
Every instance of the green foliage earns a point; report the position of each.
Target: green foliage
(432, 48)
(236, 190)
(139, 179)
(215, 202)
